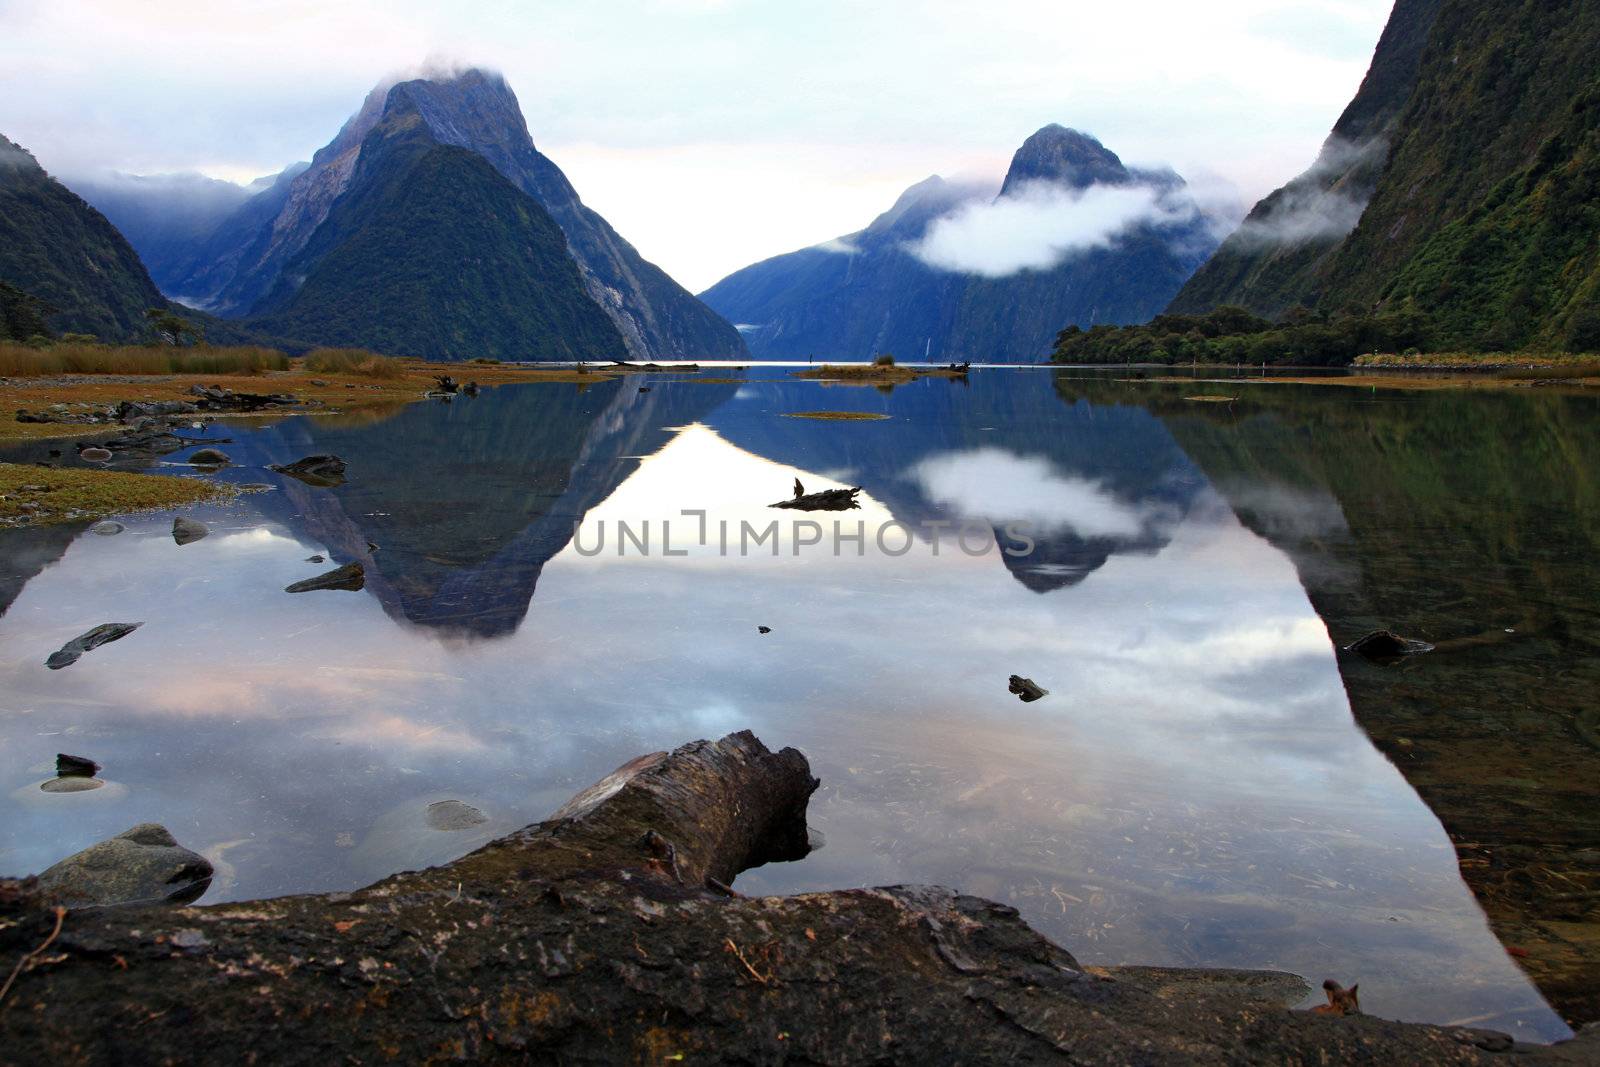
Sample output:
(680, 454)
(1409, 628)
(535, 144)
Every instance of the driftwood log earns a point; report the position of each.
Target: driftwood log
(607, 934)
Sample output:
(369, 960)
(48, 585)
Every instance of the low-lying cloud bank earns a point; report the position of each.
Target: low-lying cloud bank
(1323, 204)
(1042, 224)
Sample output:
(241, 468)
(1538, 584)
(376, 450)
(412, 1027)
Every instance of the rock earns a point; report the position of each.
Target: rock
(95, 454)
(129, 410)
(209, 457)
(471, 389)
(352, 576)
(142, 865)
(107, 528)
(317, 559)
(454, 815)
(763, 629)
(103, 634)
(825, 500)
(77, 765)
(318, 382)
(70, 784)
(324, 472)
(1026, 690)
(1383, 646)
(186, 530)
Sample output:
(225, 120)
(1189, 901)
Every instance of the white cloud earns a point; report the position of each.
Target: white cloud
(720, 111)
(1322, 204)
(999, 486)
(1041, 225)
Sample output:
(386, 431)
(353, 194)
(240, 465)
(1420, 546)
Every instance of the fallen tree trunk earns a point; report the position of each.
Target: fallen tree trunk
(607, 933)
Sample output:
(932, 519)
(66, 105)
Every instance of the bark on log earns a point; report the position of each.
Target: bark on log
(600, 935)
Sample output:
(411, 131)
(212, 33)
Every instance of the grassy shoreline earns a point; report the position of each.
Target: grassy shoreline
(35, 496)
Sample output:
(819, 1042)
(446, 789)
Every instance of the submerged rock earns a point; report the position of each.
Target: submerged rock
(1385, 645)
(103, 634)
(323, 472)
(1026, 689)
(454, 815)
(186, 530)
(95, 454)
(352, 577)
(107, 528)
(70, 784)
(141, 865)
(209, 457)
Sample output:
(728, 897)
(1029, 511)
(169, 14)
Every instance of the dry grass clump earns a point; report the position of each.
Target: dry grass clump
(353, 361)
(75, 357)
(841, 416)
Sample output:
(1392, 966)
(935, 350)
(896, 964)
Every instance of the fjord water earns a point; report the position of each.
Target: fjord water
(1194, 791)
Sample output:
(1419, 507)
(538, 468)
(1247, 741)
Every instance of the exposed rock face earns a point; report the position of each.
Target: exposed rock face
(1066, 157)
(140, 866)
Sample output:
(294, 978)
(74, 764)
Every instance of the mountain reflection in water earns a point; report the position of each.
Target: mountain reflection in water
(1193, 791)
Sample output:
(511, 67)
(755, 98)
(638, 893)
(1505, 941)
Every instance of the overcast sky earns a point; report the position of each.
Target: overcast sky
(712, 133)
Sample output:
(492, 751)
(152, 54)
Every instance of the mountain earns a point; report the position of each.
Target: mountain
(59, 250)
(430, 251)
(477, 112)
(1462, 180)
(880, 289)
(856, 295)
(164, 216)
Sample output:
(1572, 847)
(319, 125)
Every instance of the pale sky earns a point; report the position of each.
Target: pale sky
(711, 133)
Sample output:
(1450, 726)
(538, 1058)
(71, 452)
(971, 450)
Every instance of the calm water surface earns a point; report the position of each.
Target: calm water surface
(1193, 791)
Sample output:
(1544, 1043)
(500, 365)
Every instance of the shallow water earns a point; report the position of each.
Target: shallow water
(1193, 791)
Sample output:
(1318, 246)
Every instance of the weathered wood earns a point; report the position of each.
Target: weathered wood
(607, 934)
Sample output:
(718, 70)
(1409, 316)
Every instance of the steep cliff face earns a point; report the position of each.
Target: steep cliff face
(870, 291)
(1277, 257)
(431, 252)
(475, 111)
(57, 249)
(1462, 180)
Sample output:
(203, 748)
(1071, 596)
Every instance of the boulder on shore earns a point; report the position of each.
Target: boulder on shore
(186, 530)
(139, 866)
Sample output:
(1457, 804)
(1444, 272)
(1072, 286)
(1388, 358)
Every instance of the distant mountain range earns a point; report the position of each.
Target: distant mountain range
(1462, 180)
(418, 252)
(924, 280)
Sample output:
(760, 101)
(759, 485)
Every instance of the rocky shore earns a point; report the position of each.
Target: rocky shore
(610, 933)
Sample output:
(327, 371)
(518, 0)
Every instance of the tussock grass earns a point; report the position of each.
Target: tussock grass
(353, 361)
(24, 361)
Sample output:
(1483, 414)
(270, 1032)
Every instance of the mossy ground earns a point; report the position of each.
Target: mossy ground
(31, 494)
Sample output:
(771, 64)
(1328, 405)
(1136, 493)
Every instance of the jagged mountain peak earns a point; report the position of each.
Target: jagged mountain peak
(1064, 156)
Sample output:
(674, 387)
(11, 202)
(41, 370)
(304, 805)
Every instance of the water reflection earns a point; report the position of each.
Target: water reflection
(1193, 791)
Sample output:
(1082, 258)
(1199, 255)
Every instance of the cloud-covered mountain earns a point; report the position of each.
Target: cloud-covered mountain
(1460, 182)
(949, 272)
(240, 267)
